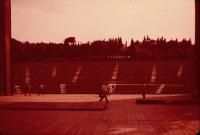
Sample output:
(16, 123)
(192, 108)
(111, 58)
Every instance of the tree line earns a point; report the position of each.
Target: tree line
(148, 49)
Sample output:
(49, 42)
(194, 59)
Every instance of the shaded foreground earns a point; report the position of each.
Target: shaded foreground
(122, 117)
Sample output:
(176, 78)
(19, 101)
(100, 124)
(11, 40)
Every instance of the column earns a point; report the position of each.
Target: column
(5, 47)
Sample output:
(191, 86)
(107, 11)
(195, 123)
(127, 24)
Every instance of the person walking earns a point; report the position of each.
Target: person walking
(41, 89)
(103, 93)
(27, 89)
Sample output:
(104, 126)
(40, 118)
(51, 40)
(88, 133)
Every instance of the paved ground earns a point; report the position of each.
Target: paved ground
(122, 117)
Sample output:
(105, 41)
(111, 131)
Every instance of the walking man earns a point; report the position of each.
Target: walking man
(27, 89)
(41, 89)
(103, 92)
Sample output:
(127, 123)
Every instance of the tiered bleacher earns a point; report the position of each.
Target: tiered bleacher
(88, 76)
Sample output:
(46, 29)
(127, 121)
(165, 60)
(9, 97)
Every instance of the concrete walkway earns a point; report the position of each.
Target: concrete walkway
(85, 97)
(122, 117)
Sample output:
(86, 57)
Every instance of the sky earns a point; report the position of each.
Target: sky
(87, 20)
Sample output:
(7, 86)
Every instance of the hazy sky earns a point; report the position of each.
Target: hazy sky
(54, 20)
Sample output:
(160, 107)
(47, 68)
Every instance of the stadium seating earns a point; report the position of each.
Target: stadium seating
(88, 76)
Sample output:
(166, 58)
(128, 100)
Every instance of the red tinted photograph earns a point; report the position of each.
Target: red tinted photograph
(99, 67)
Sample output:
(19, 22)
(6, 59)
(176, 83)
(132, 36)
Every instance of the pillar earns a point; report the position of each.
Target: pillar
(5, 47)
(197, 44)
